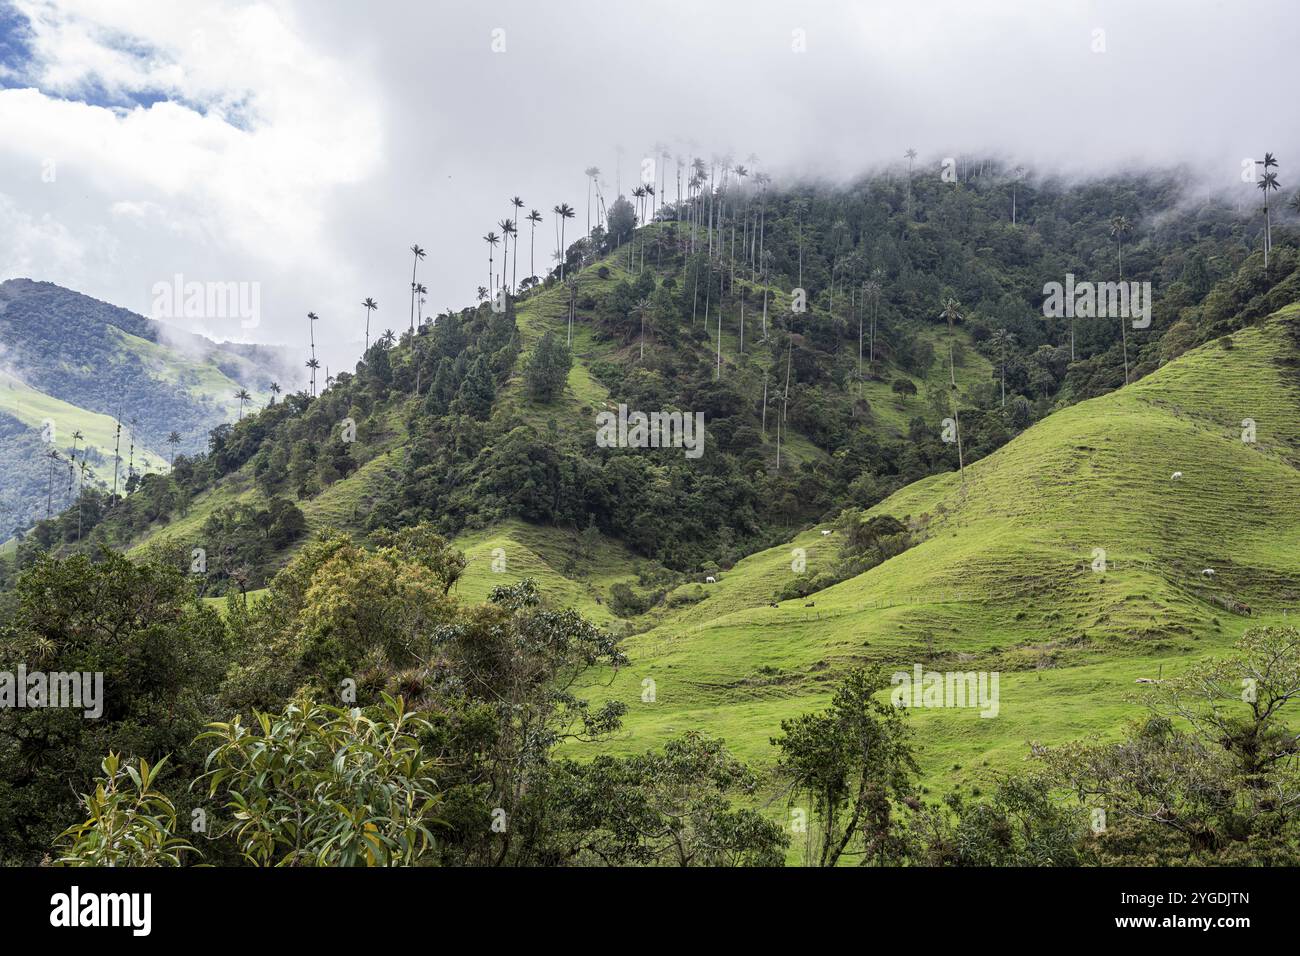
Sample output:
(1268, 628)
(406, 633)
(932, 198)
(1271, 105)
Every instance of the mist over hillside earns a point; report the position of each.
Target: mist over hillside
(78, 373)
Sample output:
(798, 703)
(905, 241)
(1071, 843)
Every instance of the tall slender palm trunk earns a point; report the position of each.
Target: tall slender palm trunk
(1123, 320)
(505, 256)
(859, 345)
(721, 276)
(956, 415)
(414, 264)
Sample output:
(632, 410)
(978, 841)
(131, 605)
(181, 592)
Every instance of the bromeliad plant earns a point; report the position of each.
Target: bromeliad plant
(326, 786)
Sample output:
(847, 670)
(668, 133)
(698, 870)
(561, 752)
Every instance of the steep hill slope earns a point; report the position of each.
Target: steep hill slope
(1003, 578)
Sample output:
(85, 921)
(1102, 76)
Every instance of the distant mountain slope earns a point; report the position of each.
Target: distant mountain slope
(1007, 575)
(81, 365)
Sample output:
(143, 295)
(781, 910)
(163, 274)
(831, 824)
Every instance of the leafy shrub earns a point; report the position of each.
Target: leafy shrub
(325, 786)
(128, 825)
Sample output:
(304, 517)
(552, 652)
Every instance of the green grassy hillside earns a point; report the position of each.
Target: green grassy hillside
(33, 408)
(1003, 577)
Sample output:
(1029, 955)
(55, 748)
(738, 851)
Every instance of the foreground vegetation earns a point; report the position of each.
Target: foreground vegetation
(360, 715)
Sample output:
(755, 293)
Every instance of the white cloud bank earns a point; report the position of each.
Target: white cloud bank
(305, 145)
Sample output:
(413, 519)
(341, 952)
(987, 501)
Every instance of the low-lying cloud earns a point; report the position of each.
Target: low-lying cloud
(305, 146)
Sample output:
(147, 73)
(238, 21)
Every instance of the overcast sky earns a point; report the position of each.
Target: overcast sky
(304, 146)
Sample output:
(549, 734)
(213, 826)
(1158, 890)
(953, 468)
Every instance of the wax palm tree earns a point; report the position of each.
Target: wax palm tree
(564, 211)
(870, 293)
(313, 365)
(275, 390)
(417, 254)
(800, 207)
(76, 436)
(507, 229)
(518, 204)
(117, 450)
(952, 313)
(572, 284)
(421, 290)
(369, 305)
(641, 306)
(54, 457)
(130, 461)
(742, 173)
(664, 157)
(911, 157)
(511, 234)
(312, 319)
(174, 439)
(80, 488)
(877, 287)
(719, 371)
(593, 173)
(1020, 172)
(1266, 183)
(388, 338)
(1119, 228)
(1002, 339)
(243, 398)
(555, 211)
(534, 217)
(699, 174)
(491, 239)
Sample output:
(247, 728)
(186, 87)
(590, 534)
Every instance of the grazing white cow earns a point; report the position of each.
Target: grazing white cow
(1175, 476)
(1208, 572)
(825, 533)
(710, 580)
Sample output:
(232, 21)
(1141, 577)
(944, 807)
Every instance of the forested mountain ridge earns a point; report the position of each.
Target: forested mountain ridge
(73, 368)
(452, 427)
